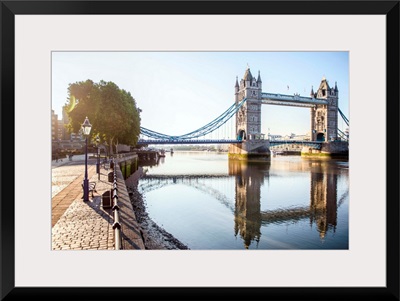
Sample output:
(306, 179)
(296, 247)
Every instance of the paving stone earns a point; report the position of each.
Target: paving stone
(80, 225)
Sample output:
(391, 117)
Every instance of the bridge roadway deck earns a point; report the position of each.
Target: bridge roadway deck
(79, 225)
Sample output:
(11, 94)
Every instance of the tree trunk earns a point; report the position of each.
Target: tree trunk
(111, 147)
(116, 147)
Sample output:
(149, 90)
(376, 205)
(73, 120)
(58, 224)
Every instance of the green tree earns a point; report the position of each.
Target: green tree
(112, 112)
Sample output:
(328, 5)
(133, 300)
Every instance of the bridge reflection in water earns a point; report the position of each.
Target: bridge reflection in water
(248, 178)
(249, 217)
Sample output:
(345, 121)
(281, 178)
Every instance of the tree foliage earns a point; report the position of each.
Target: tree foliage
(111, 111)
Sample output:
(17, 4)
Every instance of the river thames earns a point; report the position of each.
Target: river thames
(209, 202)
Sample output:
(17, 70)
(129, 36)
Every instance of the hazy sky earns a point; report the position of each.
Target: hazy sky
(179, 92)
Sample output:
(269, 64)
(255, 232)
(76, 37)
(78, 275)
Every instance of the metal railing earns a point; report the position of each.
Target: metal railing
(124, 155)
(115, 208)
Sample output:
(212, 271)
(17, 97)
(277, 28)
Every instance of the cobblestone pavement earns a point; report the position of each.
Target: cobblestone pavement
(79, 225)
(63, 176)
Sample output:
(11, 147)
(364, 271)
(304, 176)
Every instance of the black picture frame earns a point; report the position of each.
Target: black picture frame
(9, 9)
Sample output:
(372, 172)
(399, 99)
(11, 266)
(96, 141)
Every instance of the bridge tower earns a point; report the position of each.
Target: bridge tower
(248, 120)
(324, 118)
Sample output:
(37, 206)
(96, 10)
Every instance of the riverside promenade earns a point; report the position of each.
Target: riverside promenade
(79, 225)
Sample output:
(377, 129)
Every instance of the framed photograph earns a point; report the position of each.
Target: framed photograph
(361, 263)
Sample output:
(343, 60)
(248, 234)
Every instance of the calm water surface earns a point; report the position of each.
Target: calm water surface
(210, 202)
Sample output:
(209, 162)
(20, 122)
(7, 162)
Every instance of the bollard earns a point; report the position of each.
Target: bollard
(110, 177)
(106, 199)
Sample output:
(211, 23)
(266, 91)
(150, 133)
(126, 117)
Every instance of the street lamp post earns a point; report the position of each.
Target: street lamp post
(98, 157)
(86, 127)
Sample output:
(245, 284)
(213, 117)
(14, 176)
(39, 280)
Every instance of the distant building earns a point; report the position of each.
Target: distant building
(61, 131)
(306, 137)
(54, 126)
(62, 140)
(76, 137)
(123, 148)
(73, 137)
(275, 137)
(292, 136)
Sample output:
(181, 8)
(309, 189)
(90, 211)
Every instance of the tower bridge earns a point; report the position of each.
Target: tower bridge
(248, 141)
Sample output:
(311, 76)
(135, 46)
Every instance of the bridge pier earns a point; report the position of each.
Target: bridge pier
(251, 150)
(331, 149)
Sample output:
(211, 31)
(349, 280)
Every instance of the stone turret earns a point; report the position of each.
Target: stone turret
(259, 78)
(248, 118)
(324, 118)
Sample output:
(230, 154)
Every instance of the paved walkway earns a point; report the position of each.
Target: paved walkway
(79, 225)
(66, 188)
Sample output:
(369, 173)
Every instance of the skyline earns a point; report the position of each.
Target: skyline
(179, 92)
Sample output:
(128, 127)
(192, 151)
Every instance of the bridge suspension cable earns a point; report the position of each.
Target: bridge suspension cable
(344, 117)
(342, 134)
(204, 130)
(216, 124)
